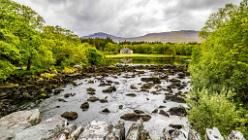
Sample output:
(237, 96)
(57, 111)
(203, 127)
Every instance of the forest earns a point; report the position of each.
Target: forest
(218, 67)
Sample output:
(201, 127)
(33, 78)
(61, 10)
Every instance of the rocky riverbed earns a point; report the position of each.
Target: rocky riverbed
(154, 94)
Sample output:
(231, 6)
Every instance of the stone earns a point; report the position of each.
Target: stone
(85, 106)
(61, 100)
(139, 111)
(213, 134)
(105, 110)
(91, 91)
(175, 98)
(235, 135)
(174, 135)
(57, 91)
(75, 134)
(161, 106)
(178, 111)
(109, 89)
(135, 117)
(155, 111)
(155, 80)
(91, 81)
(131, 95)
(120, 106)
(70, 115)
(194, 135)
(67, 95)
(176, 126)
(92, 99)
(17, 122)
(96, 130)
(44, 130)
(117, 132)
(162, 112)
(144, 135)
(146, 87)
(134, 132)
(103, 100)
(133, 87)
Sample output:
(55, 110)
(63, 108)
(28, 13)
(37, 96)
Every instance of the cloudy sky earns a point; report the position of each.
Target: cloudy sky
(126, 18)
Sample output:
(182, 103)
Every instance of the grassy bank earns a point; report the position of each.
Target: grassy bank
(142, 55)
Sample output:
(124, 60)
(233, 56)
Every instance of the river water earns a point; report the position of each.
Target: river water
(145, 100)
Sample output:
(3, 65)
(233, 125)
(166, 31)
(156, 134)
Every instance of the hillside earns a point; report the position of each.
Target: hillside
(173, 36)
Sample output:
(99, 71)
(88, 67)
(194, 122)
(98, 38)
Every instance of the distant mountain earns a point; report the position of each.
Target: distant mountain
(104, 36)
(173, 36)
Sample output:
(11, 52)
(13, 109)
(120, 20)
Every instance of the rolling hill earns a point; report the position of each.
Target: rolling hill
(183, 36)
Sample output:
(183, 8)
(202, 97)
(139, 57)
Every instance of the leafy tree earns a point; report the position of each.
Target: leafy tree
(94, 56)
(223, 58)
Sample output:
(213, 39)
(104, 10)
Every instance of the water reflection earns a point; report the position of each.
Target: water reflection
(148, 60)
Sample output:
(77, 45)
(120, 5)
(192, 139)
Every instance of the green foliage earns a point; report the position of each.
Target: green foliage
(6, 69)
(222, 60)
(100, 44)
(221, 63)
(94, 57)
(212, 110)
(26, 42)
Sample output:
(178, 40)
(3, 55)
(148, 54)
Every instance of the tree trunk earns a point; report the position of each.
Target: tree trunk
(29, 63)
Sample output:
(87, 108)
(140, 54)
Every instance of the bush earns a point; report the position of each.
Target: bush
(94, 57)
(212, 110)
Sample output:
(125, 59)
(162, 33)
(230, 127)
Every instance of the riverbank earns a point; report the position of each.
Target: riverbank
(136, 55)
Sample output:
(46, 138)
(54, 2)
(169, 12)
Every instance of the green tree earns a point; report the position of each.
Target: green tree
(223, 57)
(94, 56)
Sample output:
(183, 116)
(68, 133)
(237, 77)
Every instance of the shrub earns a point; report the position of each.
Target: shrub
(94, 57)
(212, 110)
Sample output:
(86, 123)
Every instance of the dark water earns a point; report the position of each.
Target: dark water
(148, 60)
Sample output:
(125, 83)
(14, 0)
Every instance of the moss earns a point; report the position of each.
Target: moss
(69, 70)
(48, 75)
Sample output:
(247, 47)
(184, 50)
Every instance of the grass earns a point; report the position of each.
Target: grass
(142, 55)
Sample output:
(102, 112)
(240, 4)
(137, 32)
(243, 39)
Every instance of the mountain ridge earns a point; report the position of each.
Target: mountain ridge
(183, 36)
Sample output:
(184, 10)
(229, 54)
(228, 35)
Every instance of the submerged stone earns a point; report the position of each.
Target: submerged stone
(109, 89)
(155, 80)
(92, 99)
(131, 95)
(178, 111)
(70, 115)
(135, 117)
(85, 106)
(91, 91)
(105, 110)
(162, 112)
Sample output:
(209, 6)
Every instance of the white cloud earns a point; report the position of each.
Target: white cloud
(126, 17)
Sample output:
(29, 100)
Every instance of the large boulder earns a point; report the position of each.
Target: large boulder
(45, 130)
(236, 135)
(213, 134)
(117, 132)
(137, 132)
(17, 122)
(96, 130)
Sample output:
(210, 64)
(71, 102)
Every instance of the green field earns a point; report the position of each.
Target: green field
(142, 55)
